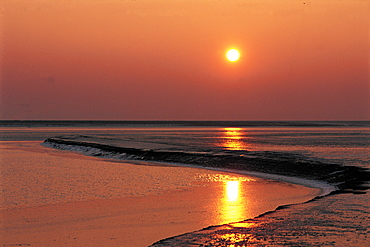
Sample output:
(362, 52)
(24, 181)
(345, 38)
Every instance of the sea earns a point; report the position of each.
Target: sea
(331, 155)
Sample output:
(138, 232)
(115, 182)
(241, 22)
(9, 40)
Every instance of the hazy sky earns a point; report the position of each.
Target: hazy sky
(165, 59)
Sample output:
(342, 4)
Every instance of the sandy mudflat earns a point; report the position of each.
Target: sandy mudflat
(56, 198)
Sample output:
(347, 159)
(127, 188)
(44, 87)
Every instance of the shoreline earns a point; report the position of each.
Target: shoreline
(325, 188)
(351, 179)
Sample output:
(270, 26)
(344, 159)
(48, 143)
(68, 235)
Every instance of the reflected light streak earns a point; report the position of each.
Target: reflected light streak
(233, 133)
(233, 139)
(232, 201)
(232, 206)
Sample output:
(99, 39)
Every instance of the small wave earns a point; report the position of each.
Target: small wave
(293, 168)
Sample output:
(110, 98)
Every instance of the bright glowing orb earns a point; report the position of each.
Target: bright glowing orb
(233, 55)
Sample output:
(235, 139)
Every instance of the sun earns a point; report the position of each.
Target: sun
(233, 55)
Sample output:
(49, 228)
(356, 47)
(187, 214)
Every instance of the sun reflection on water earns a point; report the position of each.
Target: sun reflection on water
(222, 178)
(234, 139)
(232, 190)
(232, 204)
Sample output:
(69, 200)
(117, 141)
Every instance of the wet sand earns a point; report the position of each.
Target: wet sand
(52, 197)
(337, 220)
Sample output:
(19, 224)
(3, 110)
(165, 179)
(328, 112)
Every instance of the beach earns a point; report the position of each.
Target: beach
(62, 198)
(171, 184)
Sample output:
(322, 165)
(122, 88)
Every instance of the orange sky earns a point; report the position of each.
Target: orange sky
(165, 60)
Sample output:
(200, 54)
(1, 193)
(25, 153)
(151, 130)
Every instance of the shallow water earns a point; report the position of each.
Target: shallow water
(34, 175)
(58, 196)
